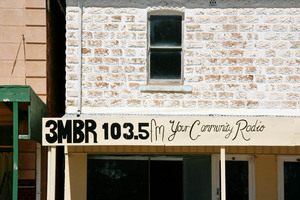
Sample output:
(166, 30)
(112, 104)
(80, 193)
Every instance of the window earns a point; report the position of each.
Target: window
(239, 177)
(148, 177)
(135, 177)
(165, 49)
(288, 177)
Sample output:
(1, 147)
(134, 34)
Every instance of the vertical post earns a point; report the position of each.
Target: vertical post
(67, 175)
(79, 59)
(29, 120)
(223, 173)
(15, 150)
(51, 173)
(38, 172)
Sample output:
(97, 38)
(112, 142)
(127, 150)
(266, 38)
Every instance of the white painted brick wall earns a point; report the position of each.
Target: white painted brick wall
(243, 57)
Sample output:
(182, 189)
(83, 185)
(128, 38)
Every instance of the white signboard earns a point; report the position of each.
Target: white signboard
(171, 131)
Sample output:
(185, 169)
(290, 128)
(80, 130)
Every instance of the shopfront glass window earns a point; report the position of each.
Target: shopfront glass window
(291, 180)
(117, 179)
(166, 179)
(288, 177)
(237, 180)
(143, 178)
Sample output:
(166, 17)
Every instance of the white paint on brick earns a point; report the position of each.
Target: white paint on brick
(236, 55)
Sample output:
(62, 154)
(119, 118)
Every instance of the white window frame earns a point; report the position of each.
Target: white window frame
(216, 190)
(166, 81)
(280, 172)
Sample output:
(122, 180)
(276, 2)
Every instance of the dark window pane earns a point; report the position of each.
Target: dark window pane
(165, 30)
(166, 181)
(165, 64)
(6, 175)
(237, 181)
(117, 179)
(197, 177)
(291, 180)
(6, 136)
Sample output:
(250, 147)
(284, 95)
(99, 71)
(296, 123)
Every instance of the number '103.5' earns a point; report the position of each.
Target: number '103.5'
(127, 131)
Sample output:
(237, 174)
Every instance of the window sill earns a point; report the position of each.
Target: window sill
(166, 88)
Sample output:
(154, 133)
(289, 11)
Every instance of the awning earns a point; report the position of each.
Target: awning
(21, 112)
(30, 110)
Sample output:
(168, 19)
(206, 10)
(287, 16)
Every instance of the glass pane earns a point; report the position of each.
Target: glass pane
(165, 30)
(291, 180)
(117, 179)
(197, 177)
(166, 180)
(165, 64)
(237, 180)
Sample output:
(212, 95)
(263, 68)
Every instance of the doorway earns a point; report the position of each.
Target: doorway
(239, 177)
(288, 177)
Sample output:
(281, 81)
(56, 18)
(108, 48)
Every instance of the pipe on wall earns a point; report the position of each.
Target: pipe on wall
(79, 106)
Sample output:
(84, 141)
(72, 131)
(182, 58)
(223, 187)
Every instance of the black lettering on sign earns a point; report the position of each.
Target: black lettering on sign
(105, 127)
(90, 126)
(75, 131)
(116, 131)
(245, 127)
(142, 130)
(78, 135)
(177, 127)
(52, 136)
(130, 130)
(157, 130)
(64, 131)
(197, 122)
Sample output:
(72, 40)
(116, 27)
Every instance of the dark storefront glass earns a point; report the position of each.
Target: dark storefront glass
(291, 180)
(237, 180)
(148, 177)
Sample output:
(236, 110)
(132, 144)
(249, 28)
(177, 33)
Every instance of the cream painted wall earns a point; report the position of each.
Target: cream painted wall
(76, 176)
(266, 177)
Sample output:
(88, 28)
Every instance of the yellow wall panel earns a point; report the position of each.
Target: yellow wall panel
(78, 176)
(266, 177)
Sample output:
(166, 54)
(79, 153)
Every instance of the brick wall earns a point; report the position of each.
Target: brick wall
(244, 57)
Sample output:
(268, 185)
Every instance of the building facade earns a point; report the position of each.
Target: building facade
(158, 93)
(27, 84)
(22, 62)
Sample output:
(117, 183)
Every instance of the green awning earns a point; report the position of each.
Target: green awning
(31, 110)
